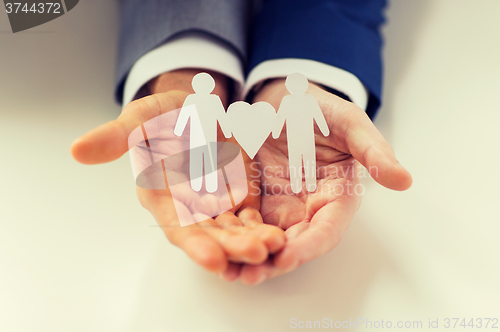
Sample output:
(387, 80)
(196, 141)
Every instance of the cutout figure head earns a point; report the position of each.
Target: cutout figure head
(203, 83)
(296, 84)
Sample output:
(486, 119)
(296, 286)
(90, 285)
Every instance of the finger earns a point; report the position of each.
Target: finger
(295, 230)
(353, 128)
(257, 274)
(272, 236)
(325, 231)
(201, 248)
(369, 147)
(197, 244)
(110, 140)
(228, 220)
(239, 247)
(231, 273)
(250, 216)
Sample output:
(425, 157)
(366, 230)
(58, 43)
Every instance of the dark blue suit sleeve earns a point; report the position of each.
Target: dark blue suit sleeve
(341, 33)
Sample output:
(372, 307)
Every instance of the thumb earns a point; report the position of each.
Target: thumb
(102, 144)
(360, 138)
(109, 141)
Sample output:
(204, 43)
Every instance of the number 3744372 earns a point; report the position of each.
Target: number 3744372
(35, 8)
(477, 323)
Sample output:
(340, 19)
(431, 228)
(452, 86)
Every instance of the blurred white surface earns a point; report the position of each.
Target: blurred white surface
(79, 253)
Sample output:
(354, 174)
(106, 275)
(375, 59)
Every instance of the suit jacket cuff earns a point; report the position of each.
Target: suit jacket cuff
(317, 72)
(188, 50)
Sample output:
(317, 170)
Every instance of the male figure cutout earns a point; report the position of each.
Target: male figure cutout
(204, 110)
(299, 110)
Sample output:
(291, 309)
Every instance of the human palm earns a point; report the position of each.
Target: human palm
(237, 242)
(315, 222)
(219, 244)
(337, 180)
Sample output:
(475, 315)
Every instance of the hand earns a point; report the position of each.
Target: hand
(315, 223)
(219, 244)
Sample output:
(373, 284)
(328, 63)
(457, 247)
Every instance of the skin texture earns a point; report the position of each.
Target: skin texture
(218, 244)
(315, 223)
(269, 233)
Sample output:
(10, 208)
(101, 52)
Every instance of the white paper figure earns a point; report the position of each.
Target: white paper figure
(299, 110)
(156, 153)
(204, 110)
(251, 124)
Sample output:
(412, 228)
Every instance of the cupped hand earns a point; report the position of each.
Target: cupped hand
(218, 244)
(315, 222)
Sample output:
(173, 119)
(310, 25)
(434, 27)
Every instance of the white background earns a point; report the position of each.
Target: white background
(79, 253)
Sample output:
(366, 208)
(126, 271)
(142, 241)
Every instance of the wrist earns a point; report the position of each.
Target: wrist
(278, 84)
(181, 80)
(267, 89)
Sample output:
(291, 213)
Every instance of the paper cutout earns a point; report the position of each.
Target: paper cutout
(251, 125)
(160, 160)
(299, 110)
(166, 152)
(203, 118)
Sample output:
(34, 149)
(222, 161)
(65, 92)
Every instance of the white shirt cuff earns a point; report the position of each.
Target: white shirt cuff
(188, 50)
(317, 72)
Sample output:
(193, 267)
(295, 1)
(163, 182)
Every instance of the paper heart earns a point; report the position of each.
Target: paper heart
(251, 124)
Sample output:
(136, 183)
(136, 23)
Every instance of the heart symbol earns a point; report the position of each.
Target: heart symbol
(251, 124)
